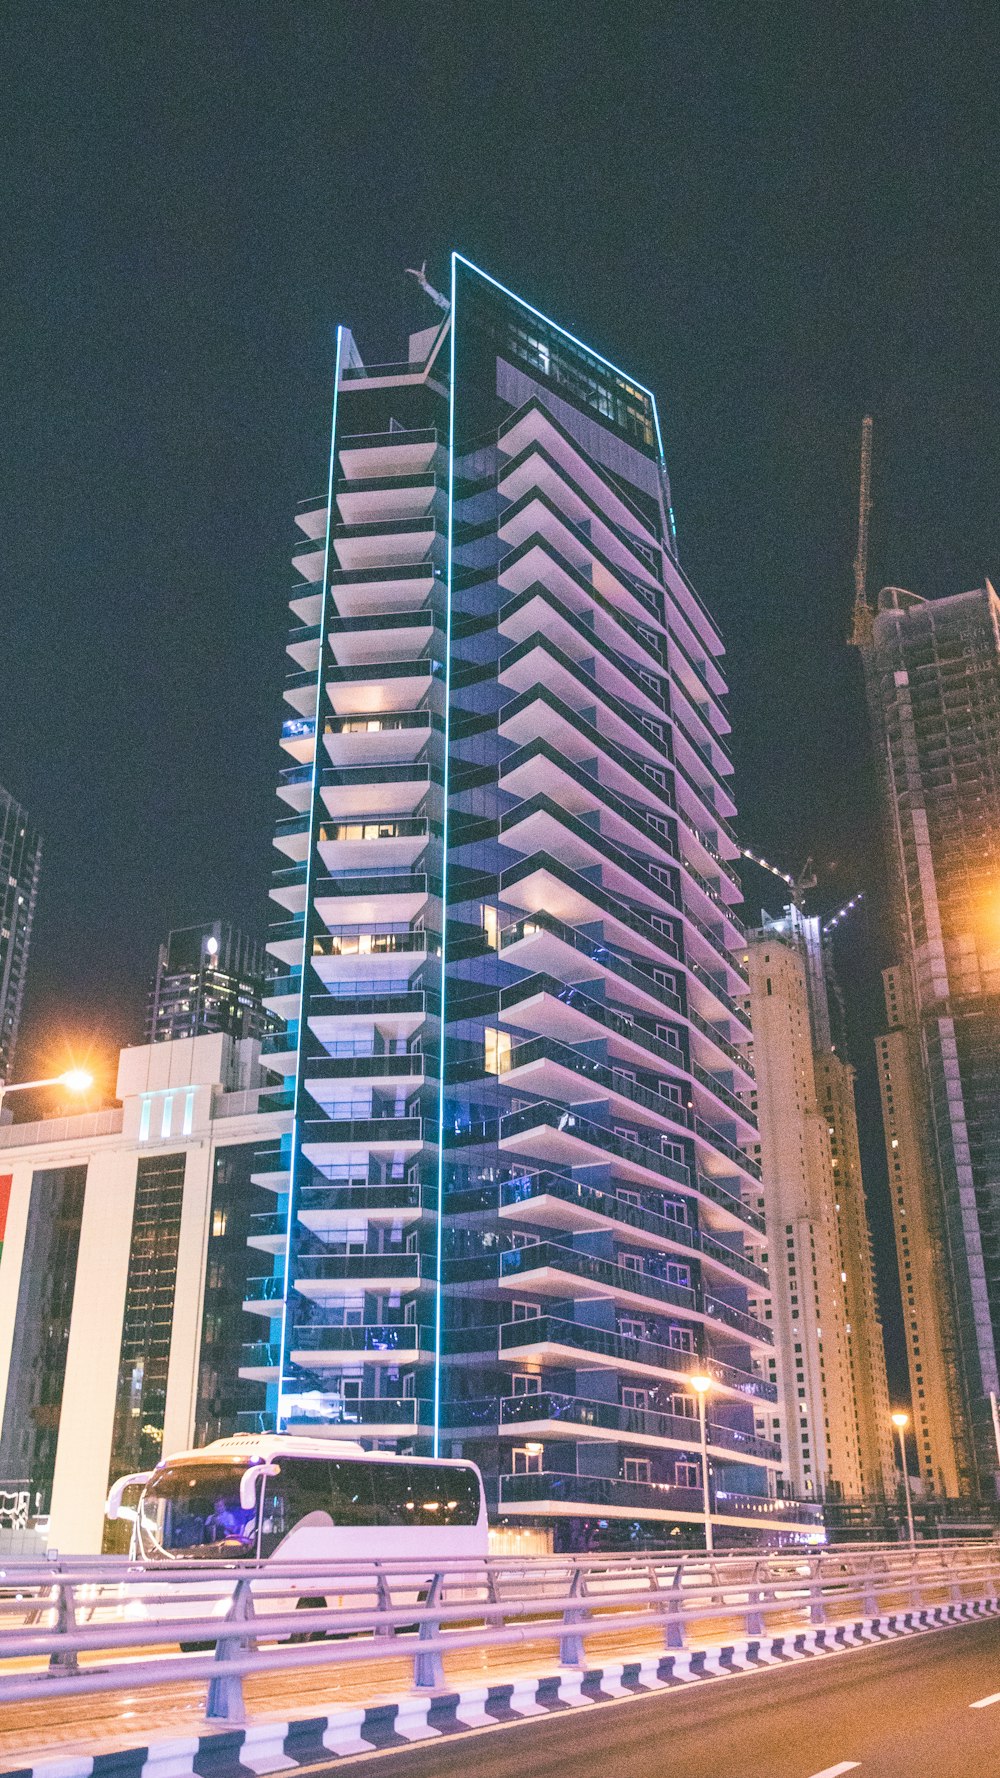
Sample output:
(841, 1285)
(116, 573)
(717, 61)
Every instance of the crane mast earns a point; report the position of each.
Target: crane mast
(861, 624)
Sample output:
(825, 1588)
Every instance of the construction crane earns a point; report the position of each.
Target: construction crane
(806, 878)
(863, 616)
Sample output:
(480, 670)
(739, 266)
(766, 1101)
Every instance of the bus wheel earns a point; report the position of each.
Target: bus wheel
(310, 1602)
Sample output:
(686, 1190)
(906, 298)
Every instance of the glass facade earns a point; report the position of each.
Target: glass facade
(20, 859)
(137, 1441)
(41, 1331)
(241, 1221)
(510, 1219)
(933, 675)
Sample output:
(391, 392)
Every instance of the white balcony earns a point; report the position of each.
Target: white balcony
(383, 589)
(356, 740)
(367, 691)
(388, 497)
(363, 458)
(375, 546)
(400, 636)
(522, 672)
(369, 907)
(372, 845)
(578, 741)
(537, 471)
(534, 425)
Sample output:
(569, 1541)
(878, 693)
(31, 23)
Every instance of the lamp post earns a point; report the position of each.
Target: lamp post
(901, 1422)
(701, 1386)
(76, 1080)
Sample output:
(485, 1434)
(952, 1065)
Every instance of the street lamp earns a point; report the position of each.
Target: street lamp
(701, 1386)
(901, 1421)
(75, 1080)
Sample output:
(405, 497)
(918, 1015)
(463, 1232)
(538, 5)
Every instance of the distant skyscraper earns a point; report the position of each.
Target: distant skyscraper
(928, 1319)
(520, 1179)
(20, 856)
(833, 1416)
(208, 978)
(932, 670)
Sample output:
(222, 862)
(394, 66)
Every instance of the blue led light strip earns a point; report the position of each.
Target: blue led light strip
(439, 1251)
(306, 920)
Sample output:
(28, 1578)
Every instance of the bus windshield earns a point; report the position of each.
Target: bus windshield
(193, 1509)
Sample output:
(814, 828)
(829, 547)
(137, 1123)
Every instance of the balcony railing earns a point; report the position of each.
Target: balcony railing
(574, 1410)
(320, 1268)
(405, 1337)
(623, 1349)
(398, 1130)
(606, 1203)
(585, 1492)
(595, 950)
(642, 1283)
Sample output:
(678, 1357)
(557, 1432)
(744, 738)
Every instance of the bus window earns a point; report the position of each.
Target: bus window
(193, 1509)
(420, 1494)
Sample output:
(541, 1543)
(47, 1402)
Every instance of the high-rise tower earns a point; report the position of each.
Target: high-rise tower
(510, 1222)
(208, 979)
(932, 670)
(832, 1416)
(20, 858)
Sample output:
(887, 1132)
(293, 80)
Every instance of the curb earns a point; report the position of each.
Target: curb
(267, 1747)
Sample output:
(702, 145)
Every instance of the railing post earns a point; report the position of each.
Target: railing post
(225, 1694)
(817, 1606)
(382, 1592)
(870, 1600)
(571, 1647)
(428, 1668)
(64, 1660)
(673, 1622)
(754, 1619)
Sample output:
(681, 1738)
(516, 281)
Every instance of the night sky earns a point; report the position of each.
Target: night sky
(779, 216)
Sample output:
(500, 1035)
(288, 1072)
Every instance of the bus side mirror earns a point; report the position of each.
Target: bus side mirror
(114, 1508)
(248, 1483)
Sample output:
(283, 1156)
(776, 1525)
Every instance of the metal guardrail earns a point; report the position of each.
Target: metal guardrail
(265, 1618)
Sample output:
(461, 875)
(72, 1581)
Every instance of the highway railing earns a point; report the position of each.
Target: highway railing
(247, 1619)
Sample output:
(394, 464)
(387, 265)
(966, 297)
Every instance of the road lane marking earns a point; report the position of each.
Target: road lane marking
(846, 1765)
(981, 1703)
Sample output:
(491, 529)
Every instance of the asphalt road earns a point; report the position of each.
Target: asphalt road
(902, 1710)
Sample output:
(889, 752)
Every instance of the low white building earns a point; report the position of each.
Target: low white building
(123, 1272)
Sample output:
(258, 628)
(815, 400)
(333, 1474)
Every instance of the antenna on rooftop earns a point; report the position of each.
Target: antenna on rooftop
(420, 273)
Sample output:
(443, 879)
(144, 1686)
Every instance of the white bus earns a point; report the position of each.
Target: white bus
(258, 1496)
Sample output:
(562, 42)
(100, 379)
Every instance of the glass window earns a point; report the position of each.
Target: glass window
(193, 1509)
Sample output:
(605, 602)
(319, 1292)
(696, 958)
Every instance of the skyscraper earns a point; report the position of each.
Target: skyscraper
(932, 670)
(208, 979)
(928, 1323)
(832, 1417)
(20, 858)
(511, 1217)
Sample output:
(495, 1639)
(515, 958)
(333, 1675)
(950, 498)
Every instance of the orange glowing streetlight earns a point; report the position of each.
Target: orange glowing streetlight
(75, 1080)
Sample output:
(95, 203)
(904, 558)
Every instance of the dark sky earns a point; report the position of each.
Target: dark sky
(778, 215)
